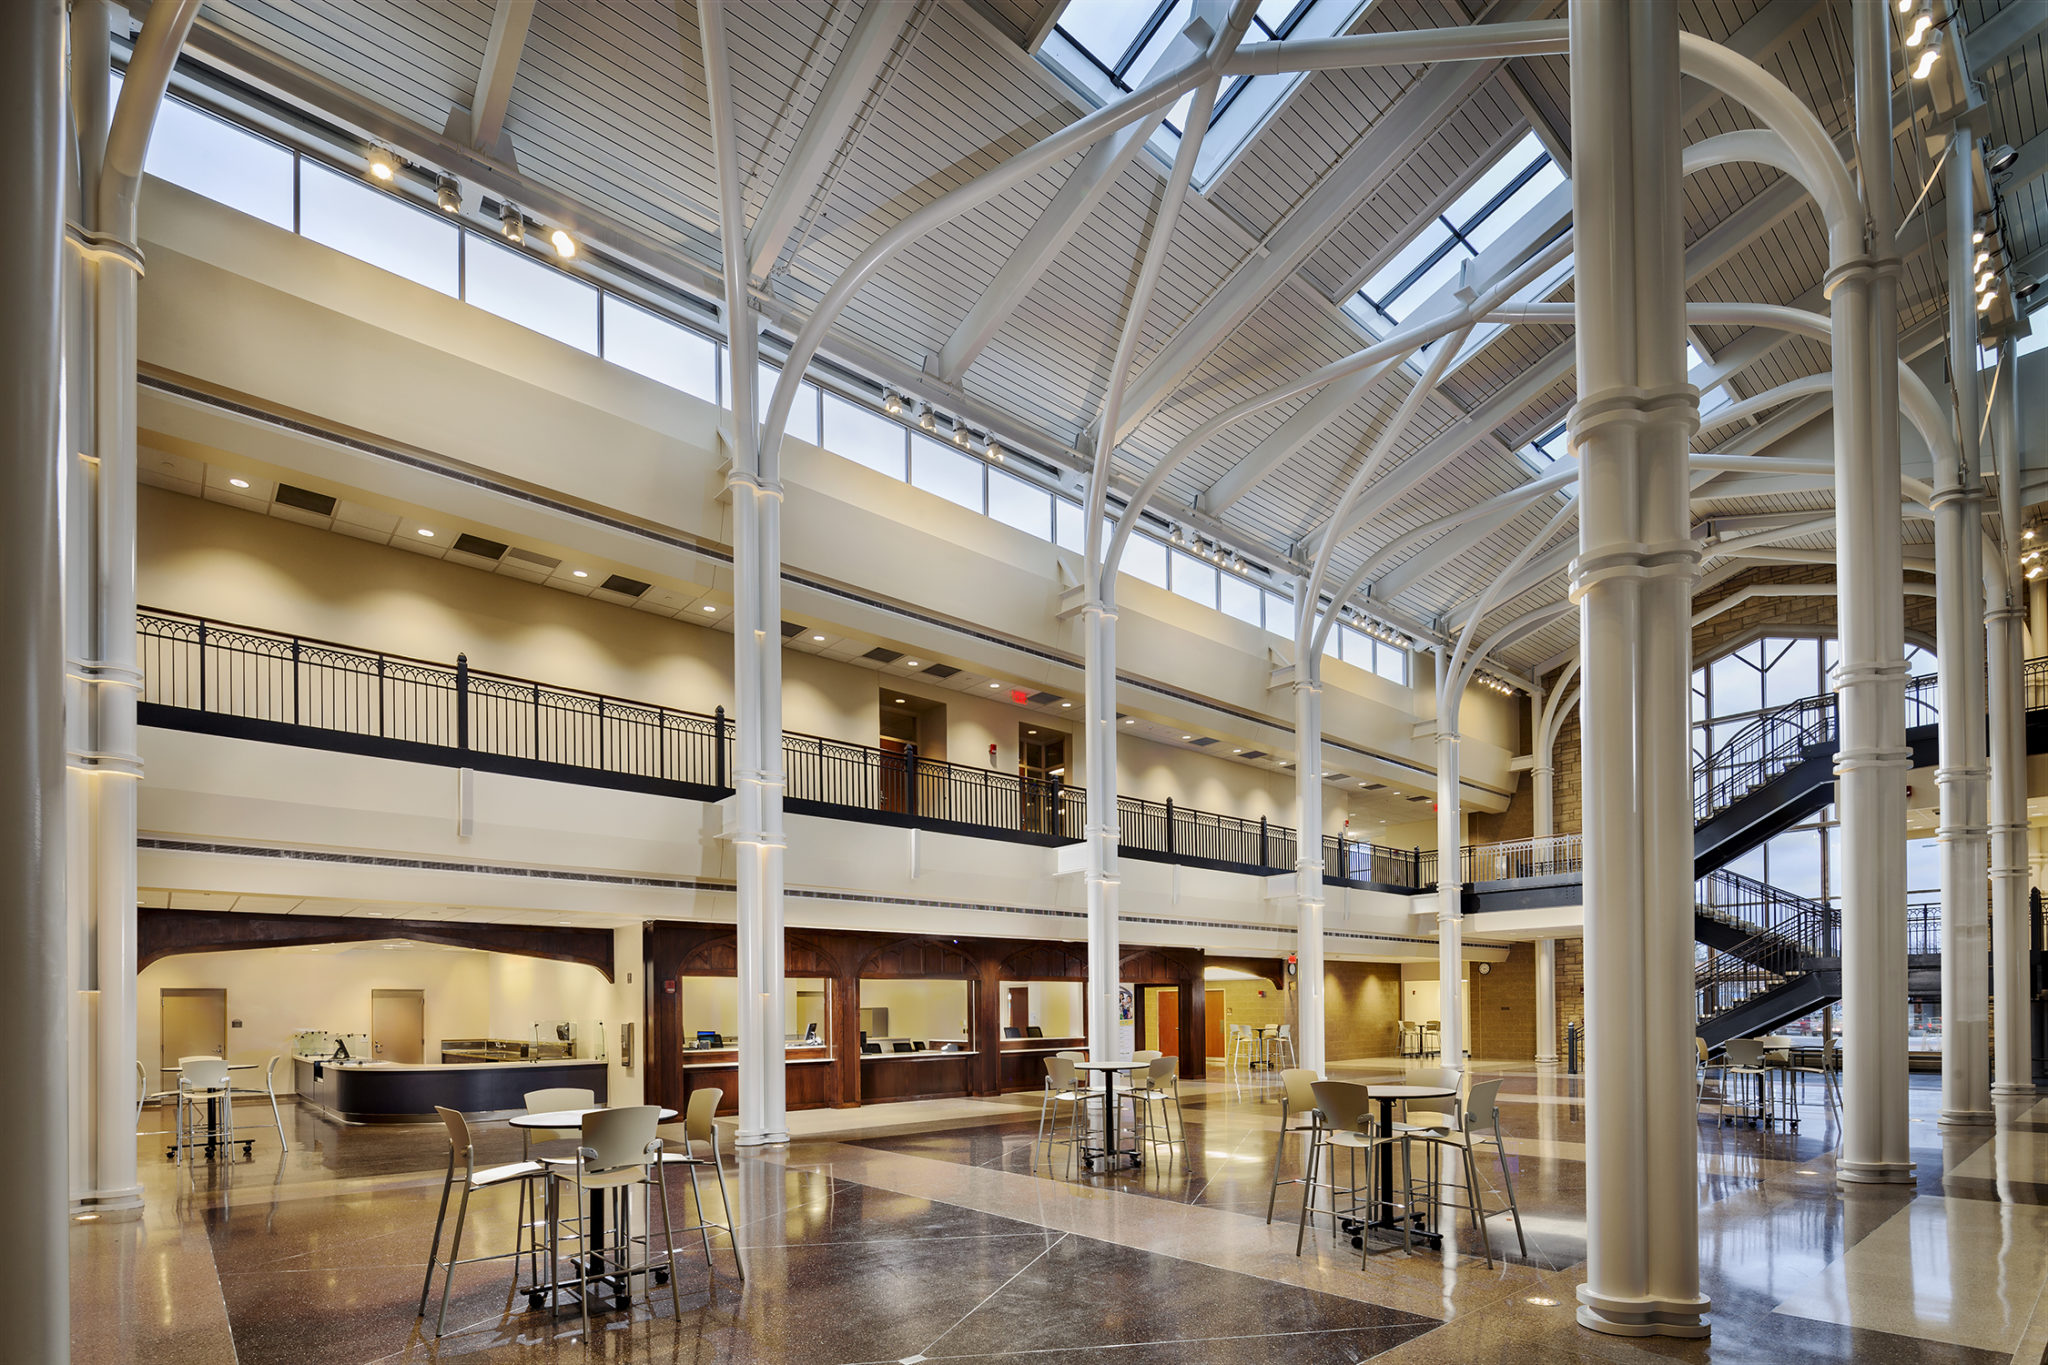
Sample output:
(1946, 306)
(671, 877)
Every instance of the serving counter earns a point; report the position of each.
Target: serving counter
(390, 1092)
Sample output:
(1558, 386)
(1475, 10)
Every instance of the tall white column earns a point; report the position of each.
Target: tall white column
(1105, 950)
(1871, 765)
(2011, 920)
(1543, 793)
(1450, 890)
(1308, 861)
(1546, 1002)
(1631, 429)
(34, 1003)
(755, 821)
(1964, 773)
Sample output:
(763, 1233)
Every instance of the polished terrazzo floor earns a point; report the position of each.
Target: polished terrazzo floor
(923, 1232)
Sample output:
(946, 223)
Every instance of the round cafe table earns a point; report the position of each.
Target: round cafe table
(212, 1116)
(1111, 1153)
(1384, 1217)
(538, 1292)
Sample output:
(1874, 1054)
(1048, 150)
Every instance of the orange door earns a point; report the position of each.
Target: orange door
(1212, 1015)
(1168, 1041)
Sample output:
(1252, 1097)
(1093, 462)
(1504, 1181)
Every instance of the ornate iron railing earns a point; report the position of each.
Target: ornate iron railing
(1360, 863)
(1554, 856)
(1774, 742)
(900, 783)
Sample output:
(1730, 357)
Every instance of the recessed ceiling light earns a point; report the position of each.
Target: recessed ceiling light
(1066, 706)
(901, 702)
(1237, 751)
(910, 663)
(1129, 721)
(578, 573)
(1031, 732)
(425, 532)
(85, 1218)
(709, 607)
(819, 638)
(1187, 736)
(238, 483)
(995, 685)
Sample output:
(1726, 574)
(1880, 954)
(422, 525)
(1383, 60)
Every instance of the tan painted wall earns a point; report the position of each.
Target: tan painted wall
(1361, 1009)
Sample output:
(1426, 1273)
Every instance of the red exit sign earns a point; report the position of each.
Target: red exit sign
(1019, 695)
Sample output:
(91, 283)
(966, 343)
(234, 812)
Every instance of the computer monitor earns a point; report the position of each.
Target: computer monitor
(1010, 1031)
(1033, 1031)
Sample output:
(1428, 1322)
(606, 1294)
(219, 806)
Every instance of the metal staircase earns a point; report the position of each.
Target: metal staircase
(1773, 957)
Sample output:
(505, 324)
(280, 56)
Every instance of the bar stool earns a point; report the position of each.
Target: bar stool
(473, 1178)
(1480, 1127)
(269, 1091)
(1282, 1042)
(1059, 1089)
(546, 1102)
(1432, 1037)
(700, 1126)
(619, 1149)
(1344, 1109)
(1160, 1088)
(201, 1080)
(1241, 1046)
(1296, 1098)
(1744, 1057)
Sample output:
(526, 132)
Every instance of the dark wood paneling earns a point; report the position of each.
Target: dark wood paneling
(166, 933)
(916, 1078)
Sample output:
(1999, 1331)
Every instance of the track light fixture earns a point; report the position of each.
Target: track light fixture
(961, 437)
(563, 243)
(1922, 22)
(448, 194)
(926, 420)
(995, 451)
(1906, 6)
(512, 224)
(1925, 67)
(891, 404)
(2001, 158)
(1176, 536)
(383, 165)
(1984, 302)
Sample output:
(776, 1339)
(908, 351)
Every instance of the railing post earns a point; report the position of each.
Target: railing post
(380, 696)
(1262, 843)
(718, 748)
(600, 733)
(910, 776)
(536, 720)
(1415, 868)
(461, 698)
(202, 664)
(295, 680)
(1169, 825)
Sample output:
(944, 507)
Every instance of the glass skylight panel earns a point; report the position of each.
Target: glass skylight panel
(1194, 579)
(228, 165)
(1541, 453)
(1239, 599)
(340, 211)
(1711, 400)
(864, 437)
(520, 289)
(1485, 209)
(938, 468)
(666, 352)
(1015, 502)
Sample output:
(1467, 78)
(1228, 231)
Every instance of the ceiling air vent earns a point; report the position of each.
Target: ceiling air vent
(1045, 698)
(883, 656)
(791, 628)
(1374, 786)
(305, 499)
(940, 671)
(1418, 798)
(1249, 754)
(539, 561)
(1203, 741)
(624, 586)
(476, 545)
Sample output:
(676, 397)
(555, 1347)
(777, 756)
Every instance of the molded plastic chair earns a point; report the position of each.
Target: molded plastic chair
(1744, 1057)
(1159, 1089)
(1482, 1129)
(1282, 1042)
(547, 1102)
(269, 1091)
(473, 1178)
(1297, 1102)
(1344, 1109)
(700, 1128)
(618, 1150)
(203, 1079)
(1060, 1088)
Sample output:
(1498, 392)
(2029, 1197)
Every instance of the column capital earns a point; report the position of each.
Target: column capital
(102, 247)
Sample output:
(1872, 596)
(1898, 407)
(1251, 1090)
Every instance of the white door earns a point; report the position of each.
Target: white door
(194, 1024)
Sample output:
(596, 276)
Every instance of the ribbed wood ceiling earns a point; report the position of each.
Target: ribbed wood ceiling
(608, 107)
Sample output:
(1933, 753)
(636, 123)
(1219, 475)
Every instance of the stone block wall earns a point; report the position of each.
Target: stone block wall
(1361, 1009)
(1504, 1007)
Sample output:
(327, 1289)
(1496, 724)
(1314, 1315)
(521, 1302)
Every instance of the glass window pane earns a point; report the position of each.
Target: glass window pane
(1240, 599)
(339, 211)
(1107, 28)
(1333, 641)
(228, 165)
(1494, 179)
(1145, 558)
(1515, 208)
(1405, 260)
(664, 351)
(1280, 615)
(1023, 505)
(1794, 861)
(1390, 662)
(1194, 579)
(520, 289)
(1923, 867)
(803, 409)
(938, 468)
(1357, 646)
(1066, 531)
(864, 437)
(1794, 672)
(1439, 274)
(1737, 686)
(1141, 65)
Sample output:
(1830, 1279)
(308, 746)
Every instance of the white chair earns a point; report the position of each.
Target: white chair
(1297, 1102)
(1152, 1097)
(1344, 1111)
(1282, 1043)
(269, 1091)
(700, 1128)
(1242, 1047)
(203, 1080)
(547, 1101)
(1744, 1061)
(1060, 1088)
(473, 1178)
(1480, 1127)
(619, 1149)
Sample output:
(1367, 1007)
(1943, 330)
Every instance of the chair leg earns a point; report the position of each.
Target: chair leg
(1407, 1201)
(1478, 1208)
(703, 1222)
(1279, 1152)
(1507, 1180)
(1308, 1190)
(582, 1255)
(454, 1255)
(725, 1205)
(1039, 1141)
(668, 1231)
(278, 1119)
(434, 1251)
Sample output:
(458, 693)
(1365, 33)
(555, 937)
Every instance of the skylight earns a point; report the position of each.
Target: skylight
(1505, 191)
(1541, 453)
(1711, 400)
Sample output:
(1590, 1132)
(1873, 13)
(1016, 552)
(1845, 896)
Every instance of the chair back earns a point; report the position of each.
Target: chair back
(1145, 1056)
(270, 1073)
(1161, 1073)
(458, 1129)
(1700, 1045)
(1075, 1056)
(1059, 1071)
(1744, 1052)
(1287, 1032)
(1447, 1077)
(616, 1138)
(203, 1073)
(699, 1112)
(1299, 1096)
(1482, 1106)
(561, 1097)
(1346, 1106)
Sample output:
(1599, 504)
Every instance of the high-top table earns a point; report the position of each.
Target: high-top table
(538, 1293)
(213, 1139)
(1112, 1154)
(1384, 1217)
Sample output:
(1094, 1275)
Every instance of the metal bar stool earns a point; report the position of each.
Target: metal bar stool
(1297, 1099)
(473, 1179)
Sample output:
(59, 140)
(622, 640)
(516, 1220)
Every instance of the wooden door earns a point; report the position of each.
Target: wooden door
(194, 1023)
(398, 1026)
(1166, 1002)
(1020, 1011)
(895, 776)
(1212, 1013)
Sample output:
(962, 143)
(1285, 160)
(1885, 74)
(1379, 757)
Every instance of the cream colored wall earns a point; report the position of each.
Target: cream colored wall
(920, 1009)
(1055, 1006)
(713, 1002)
(277, 991)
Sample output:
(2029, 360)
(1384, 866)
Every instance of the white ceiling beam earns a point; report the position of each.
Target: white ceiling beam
(1070, 208)
(482, 126)
(1462, 538)
(1543, 566)
(861, 59)
(1040, 28)
(1994, 39)
(2033, 161)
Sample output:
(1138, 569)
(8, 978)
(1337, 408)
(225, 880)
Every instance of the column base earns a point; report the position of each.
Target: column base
(1873, 1173)
(1966, 1118)
(2014, 1088)
(1546, 1061)
(110, 1206)
(1643, 1317)
(768, 1138)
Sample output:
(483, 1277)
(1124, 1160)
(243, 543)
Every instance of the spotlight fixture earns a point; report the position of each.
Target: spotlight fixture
(2001, 158)
(1922, 22)
(1906, 6)
(1984, 281)
(1977, 237)
(511, 224)
(927, 420)
(563, 243)
(238, 483)
(1176, 537)
(1237, 563)
(448, 194)
(961, 437)
(383, 165)
(995, 452)
(891, 404)
(1925, 68)
(1984, 302)
(2024, 286)
(579, 573)
(1983, 259)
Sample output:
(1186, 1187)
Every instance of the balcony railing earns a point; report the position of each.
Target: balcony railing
(1357, 863)
(1555, 856)
(899, 786)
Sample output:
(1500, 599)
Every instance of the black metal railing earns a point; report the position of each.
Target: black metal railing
(1806, 926)
(1775, 741)
(1923, 927)
(262, 677)
(1203, 837)
(932, 791)
(1360, 863)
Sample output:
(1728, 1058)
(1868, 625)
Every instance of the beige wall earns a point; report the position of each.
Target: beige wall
(921, 1010)
(1361, 1009)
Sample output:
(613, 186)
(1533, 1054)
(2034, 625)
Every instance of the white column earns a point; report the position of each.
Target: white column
(754, 822)
(1964, 772)
(1308, 861)
(1870, 767)
(2011, 920)
(1105, 950)
(1631, 429)
(34, 1003)
(1546, 1002)
(1450, 889)
(1543, 790)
